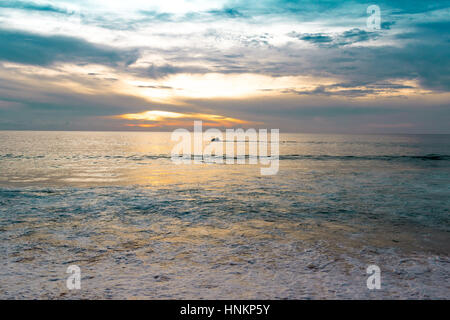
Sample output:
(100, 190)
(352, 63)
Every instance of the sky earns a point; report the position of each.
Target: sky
(299, 66)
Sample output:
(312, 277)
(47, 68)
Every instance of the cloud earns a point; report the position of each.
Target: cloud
(328, 114)
(32, 6)
(227, 13)
(161, 71)
(352, 89)
(386, 25)
(312, 37)
(318, 9)
(232, 40)
(355, 35)
(153, 15)
(324, 90)
(345, 38)
(156, 87)
(401, 7)
(29, 48)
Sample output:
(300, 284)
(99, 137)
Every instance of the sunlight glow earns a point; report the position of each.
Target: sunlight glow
(165, 118)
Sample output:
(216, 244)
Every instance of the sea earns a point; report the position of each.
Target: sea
(140, 226)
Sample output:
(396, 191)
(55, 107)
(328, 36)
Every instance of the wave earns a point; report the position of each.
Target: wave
(428, 157)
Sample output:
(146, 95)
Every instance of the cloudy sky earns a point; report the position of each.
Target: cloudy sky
(300, 66)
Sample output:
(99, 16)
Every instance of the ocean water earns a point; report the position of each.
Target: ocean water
(141, 227)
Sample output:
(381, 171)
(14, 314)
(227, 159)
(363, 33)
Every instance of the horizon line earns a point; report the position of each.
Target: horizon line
(281, 132)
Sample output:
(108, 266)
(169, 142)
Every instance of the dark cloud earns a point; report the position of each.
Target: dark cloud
(227, 13)
(312, 37)
(428, 65)
(377, 85)
(27, 5)
(355, 35)
(402, 7)
(351, 89)
(315, 9)
(28, 48)
(348, 37)
(305, 9)
(386, 25)
(325, 91)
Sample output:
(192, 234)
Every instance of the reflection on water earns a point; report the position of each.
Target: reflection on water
(142, 227)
